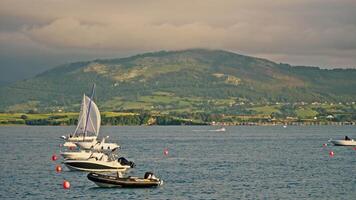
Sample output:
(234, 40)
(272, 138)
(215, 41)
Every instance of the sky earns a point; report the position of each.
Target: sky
(36, 35)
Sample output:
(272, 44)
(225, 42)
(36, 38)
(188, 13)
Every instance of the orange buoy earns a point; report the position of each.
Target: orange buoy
(66, 184)
(54, 157)
(331, 153)
(165, 152)
(58, 168)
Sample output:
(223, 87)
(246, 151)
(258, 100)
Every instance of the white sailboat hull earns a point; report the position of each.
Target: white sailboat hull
(79, 138)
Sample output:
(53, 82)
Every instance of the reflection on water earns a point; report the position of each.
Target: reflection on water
(242, 162)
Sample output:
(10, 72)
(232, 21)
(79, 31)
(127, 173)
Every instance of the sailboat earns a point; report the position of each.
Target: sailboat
(88, 126)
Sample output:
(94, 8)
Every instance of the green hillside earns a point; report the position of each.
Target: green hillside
(193, 80)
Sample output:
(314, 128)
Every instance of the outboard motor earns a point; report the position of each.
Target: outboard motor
(151, 176)
(124, 161)
(148, 175)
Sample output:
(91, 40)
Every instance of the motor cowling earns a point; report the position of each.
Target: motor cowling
(151, 176)
(148, 175)
(124, 161)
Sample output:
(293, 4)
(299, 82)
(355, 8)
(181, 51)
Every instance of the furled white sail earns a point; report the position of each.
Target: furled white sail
(89, 118)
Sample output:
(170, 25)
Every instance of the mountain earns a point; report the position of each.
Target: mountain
(188, 80)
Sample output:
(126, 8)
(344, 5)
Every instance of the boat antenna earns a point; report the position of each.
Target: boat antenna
(88, 113)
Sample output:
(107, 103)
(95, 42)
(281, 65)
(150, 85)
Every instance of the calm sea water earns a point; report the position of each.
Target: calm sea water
(241, 163)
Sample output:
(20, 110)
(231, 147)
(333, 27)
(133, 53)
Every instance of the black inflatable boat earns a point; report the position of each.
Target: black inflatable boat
(103, 180)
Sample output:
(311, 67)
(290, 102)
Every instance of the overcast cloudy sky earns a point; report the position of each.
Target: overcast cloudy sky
(36, 35)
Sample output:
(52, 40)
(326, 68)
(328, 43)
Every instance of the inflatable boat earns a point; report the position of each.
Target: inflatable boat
(103, 180)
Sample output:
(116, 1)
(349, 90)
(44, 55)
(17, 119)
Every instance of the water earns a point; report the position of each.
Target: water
(241, 163)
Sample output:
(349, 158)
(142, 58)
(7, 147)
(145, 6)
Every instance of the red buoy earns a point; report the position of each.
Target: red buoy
(66, 184)
(331, 153)
(54, 157)
(58, 168)
(325, 145)
(355, 148)
(165, 152)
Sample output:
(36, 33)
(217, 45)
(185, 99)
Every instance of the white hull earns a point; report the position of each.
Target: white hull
(69, 144)
(81, 155)
(97, 146)
(219, 130)
(86, 145)
(79, 138)
(344, 142)
(94, 170)
(95, 166)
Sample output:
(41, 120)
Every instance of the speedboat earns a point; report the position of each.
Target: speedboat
(104, 163)
(80, 155)
(102, 180)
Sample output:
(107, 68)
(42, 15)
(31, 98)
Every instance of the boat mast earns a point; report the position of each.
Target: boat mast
(88, 113)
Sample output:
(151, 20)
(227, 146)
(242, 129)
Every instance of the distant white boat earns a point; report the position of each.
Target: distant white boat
(223, 129)
(343, 142)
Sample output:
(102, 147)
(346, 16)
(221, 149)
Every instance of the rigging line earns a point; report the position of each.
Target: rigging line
(88, 113)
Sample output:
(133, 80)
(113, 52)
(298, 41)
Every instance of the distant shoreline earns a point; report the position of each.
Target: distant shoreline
(149, 119)
(227, 125)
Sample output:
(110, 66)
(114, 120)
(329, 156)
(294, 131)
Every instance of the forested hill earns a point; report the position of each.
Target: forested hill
(195, 79)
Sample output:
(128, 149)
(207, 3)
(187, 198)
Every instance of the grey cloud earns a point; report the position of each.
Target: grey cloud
(308, 32)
